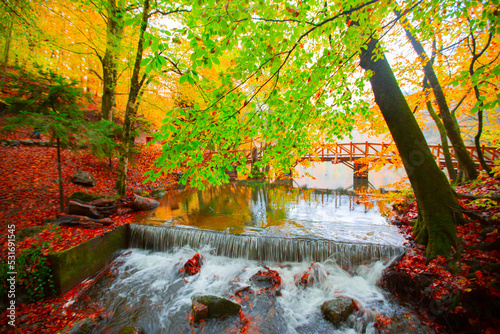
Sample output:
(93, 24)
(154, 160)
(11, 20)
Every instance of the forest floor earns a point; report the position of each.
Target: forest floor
(463, 299)
(29, 196)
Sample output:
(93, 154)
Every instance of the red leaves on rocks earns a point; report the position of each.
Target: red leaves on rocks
(193, 265)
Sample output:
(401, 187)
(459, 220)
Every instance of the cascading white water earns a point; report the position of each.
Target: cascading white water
(148, 291)
(163, 238)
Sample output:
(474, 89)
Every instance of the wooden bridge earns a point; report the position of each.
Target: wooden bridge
(349, 153)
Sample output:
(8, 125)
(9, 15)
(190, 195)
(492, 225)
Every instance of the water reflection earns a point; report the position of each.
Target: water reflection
(280, 210)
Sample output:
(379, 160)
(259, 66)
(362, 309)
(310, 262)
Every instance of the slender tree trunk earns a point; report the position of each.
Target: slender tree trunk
(477, 94)
(463, 156)
(444, 142)
(59, 172)
(6, 53)
(114, 31)
(435, 198)
(452, 173)
(130, 110)
(477, 137)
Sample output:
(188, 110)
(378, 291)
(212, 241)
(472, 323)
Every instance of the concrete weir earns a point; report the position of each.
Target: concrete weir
(74, 265)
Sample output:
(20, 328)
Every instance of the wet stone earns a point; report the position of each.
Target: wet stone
(338, 310)
(218, 307)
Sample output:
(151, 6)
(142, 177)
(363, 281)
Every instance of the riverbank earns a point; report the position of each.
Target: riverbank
(463, 296)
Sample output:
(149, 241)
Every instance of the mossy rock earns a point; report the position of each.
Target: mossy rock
(131, 330)
(218, 307)
(337, 310)
(84, 197)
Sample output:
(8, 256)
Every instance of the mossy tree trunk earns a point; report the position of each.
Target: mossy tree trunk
(130, 111)
(435, 198)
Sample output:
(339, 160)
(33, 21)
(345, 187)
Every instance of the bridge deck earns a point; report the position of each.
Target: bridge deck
(348, 153)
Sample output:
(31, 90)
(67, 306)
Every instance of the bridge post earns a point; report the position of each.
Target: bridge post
(360, 170)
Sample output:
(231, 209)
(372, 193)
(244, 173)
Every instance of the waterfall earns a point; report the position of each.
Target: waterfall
(261, 248)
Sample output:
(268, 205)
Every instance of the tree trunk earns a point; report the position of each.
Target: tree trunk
(131, 108)
(435, 199)
(59, 172)
(477, 137)
(477, 94)
(463, 156)
(114, 31)
(6, 53)
(452, 173)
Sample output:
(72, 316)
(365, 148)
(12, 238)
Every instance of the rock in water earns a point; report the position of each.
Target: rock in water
(140, 203)
(83, 178)
(200, 311)
(338, 310)
(131, 330)
(218, 307)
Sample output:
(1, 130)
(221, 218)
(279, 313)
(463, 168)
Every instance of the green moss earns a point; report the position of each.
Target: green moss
(29, 232)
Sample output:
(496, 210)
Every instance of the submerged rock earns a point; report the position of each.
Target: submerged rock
(338, 310)
(83, 178)
(269, 280)
(131, 330)
(84, 326)
(314, 274)
(218, 307)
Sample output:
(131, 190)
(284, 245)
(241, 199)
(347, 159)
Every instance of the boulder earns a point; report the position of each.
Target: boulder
(218, 307)
(103, 202)
(76, 207)
(83, 178)
(83, 196)
(338, 310)
(80, 221)
(140, 203)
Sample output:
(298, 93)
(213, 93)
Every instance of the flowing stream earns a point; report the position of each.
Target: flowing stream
(240, 230)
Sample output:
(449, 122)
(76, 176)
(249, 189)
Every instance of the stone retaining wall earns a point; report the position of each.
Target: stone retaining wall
(72, 266)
